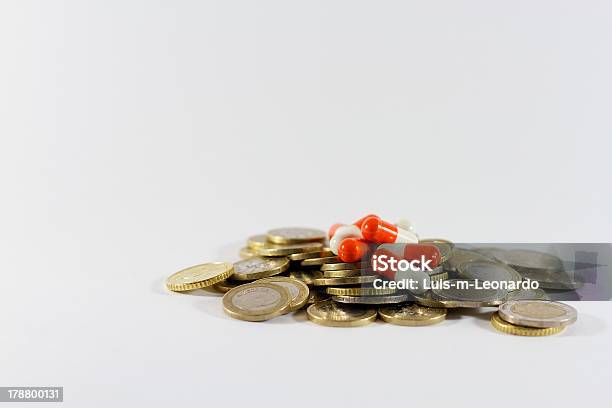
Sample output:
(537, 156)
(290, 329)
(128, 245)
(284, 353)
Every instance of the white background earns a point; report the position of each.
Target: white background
(140, 137)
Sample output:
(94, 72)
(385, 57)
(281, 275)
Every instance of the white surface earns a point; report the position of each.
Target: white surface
(140, 138)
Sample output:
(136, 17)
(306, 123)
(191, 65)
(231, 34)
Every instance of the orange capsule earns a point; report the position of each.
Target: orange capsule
(424, 251)
(382, 232)
(352, 249)
(360, 221)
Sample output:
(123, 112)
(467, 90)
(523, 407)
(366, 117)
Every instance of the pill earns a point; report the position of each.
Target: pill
(360, 221)
(381, 232)
(334, 228)
(352, 249)
(406, 224)
(345, 231)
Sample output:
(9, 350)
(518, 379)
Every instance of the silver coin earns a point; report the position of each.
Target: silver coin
(537, 313)
(488, 271)
(373, 300)
(259, 267)
(522, 259)
(427, 299)
(463, 293)
(460, 256)
(490, 252)
(527, 294)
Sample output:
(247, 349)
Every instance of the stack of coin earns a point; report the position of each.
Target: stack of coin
(288, 269)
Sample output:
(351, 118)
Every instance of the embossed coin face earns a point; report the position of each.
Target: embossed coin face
(256, 301)
(463, 293)
(333, 314)
(412, 315)
(530, 260)
(488, 271)
(297, 289)
(259, 267)
(199, 276)
(537, 313)
(294, 235)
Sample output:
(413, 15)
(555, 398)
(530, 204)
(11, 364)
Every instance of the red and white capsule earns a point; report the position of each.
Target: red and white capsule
(339, 232)
(353, 250)
(383, 232)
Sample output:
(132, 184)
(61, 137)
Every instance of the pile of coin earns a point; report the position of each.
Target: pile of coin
(288, 269)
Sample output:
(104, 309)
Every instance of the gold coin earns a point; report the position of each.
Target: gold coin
(333, 314)
(295, 235)
(439, 276)
(310, 255)
(258, 267)
(199, 276)
(316, 296)
(306, 276)
(360, 291)
(412, 315)
(256, 302)
(345, 273)
(257, 241)
(281, 250)
(247, 252)
(344, 265)
(226, 285)
(510, 328)
(297, 289)
(353, 280)
(319, 261)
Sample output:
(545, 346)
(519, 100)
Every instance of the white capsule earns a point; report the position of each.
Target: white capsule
(345, 231)
(406, 224)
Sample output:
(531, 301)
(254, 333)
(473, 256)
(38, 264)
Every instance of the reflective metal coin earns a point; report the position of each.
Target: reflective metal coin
(460, 256)
(316, 296)
(439, 276)
(527, 294)
(258, 267)
(463, 293)
(281, 250)
(344, 273)
(354, 280)
(319, 261)
(306, 276)
(298, 290)
(503, 326)
(257, 241)
(199, 276)
(412, 315)
(537, 313)
(526, 259)
(488, 271)
(226, 285)
(294, 235)
(359, 291)
(344, 265)
(490, 252)
(373, 300)
(247, 252)
(428, 299)
(310, 255)
(256, 301)
(333, 314)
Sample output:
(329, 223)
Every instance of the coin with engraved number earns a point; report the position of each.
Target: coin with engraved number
(537, 313)
(257, 301)
(199, 276)
(289, 249)
(295, 235)
(503, 326)
(373, 300)
(332, 314)
(258, 267)
(463, 293)
(297, 289)
(412, 315)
